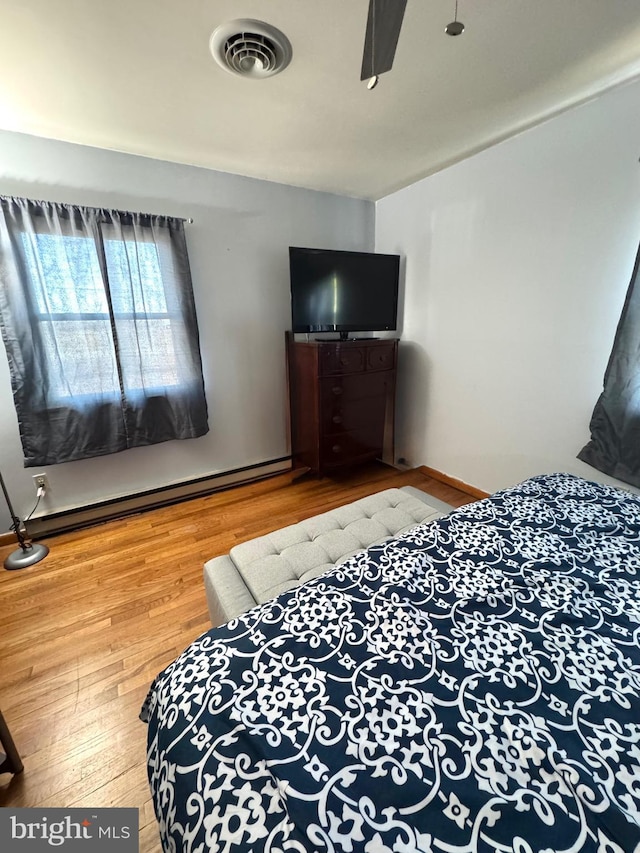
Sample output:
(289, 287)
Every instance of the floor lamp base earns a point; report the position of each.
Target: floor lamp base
(27, 556)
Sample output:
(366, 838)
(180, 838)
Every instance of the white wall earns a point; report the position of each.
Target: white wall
(517, 264)
(238, 247)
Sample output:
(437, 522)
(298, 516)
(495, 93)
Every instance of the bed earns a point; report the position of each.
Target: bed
(471, 685)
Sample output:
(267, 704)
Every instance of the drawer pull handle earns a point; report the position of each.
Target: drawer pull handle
(337, 419)
(337, 390)
(336, 448)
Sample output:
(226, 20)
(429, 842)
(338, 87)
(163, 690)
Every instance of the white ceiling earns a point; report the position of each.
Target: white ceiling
(137, 76)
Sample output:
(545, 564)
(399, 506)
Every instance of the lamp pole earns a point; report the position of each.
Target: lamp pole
(28, 554)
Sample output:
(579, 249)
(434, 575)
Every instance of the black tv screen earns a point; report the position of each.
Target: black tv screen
(335, 291)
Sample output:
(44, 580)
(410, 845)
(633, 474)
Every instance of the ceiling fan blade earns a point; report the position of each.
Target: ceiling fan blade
(383, 29)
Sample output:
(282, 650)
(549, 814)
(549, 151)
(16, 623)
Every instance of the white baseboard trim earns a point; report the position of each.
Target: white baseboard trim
(73, 519)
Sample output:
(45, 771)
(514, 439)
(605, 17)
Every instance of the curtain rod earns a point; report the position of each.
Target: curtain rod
(188, 220)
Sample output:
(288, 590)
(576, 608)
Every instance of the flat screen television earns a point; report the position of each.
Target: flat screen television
(336, 291)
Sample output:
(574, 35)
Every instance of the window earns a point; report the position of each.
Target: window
(100, 329)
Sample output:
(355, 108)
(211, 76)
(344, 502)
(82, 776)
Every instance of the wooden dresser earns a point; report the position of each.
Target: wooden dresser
(342, 396)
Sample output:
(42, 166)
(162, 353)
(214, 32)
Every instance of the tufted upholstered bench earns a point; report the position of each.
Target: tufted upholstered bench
(262, 568)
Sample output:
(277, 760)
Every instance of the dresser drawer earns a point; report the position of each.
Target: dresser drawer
(353, 387)
(352, 402)
(381, 357)
(344, 416)
(351, 446)
(342, 358)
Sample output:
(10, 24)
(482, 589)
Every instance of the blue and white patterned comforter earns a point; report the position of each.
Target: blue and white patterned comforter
(473, 685)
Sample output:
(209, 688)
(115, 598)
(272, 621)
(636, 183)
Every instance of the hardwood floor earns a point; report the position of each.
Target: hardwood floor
(85, 632)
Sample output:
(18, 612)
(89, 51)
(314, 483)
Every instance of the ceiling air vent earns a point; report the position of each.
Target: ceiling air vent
(250, 48)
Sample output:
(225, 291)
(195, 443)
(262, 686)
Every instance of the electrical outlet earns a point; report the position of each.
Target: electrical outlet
(41, 481)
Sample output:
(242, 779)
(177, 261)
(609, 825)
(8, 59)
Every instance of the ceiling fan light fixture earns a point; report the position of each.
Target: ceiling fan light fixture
(372, 82)
(249, 48)
(456, 27)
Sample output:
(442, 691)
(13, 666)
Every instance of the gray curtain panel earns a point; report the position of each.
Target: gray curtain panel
(99, 325)
(614, 447)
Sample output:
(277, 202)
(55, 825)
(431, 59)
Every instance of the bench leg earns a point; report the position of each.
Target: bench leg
(9, 761)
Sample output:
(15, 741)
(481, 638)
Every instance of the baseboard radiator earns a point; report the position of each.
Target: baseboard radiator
(85, 516)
